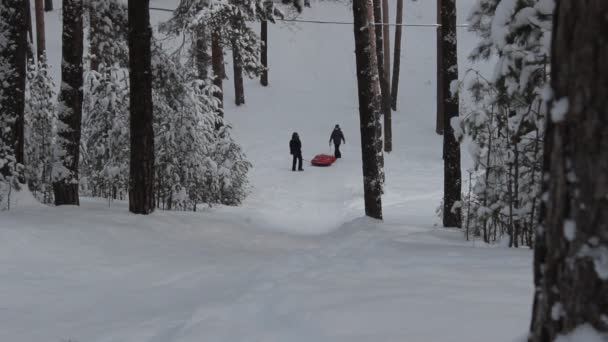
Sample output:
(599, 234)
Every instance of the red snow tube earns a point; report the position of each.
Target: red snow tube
(323, 160)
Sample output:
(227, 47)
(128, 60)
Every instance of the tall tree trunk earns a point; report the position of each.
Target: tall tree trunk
(397, 55)
(48, 5)
(201, 55)
(40, 31)
(369, 104)
(69, 117)
(439, 122)
(384, 88)
(237, 67)
(386, 41)
(94, 25)
(264, 57)
(451, 147)
(217, 62)
(30, 33)
(386, 80)
(570, 270)
(14, 53)
(141, 168)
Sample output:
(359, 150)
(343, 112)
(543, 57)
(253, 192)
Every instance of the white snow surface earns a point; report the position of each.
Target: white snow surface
(297, 262)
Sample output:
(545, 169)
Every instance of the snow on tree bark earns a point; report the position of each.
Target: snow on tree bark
(369, 104)
(13, 51)
(571, 256)
(67, 146)
(264, 56)
(141, 187)
(451, 147)
(377, 15)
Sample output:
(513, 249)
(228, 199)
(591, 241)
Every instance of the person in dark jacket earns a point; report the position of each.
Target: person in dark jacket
(295, 148)
(338, 138)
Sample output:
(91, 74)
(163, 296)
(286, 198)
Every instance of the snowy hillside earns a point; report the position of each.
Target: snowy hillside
(296, 262)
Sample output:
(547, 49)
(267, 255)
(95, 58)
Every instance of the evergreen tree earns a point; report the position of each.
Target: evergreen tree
(40, 116)
(13, 49)
(506, 125)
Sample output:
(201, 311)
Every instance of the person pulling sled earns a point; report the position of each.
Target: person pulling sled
(338, 138)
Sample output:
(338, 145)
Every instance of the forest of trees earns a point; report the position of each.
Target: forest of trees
(134, 121)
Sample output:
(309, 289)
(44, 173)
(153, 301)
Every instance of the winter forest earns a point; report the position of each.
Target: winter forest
(304, 170)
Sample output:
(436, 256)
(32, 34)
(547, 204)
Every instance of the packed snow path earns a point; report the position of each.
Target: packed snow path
(103, 275)
(296, 262)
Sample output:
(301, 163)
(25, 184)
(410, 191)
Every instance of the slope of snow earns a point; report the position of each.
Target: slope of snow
(296, 262)
(100, 274)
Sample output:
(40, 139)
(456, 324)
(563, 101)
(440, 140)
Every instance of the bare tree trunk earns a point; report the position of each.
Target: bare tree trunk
(397, 55)
(237, 66)
(30, 33)
(264, 57)
(13, 102)
(94, 26)
(201, 55)
(570, 272)
(40, 30)
(48, 5)
(451, 147)
(369, 103)
(70, 98)
(439, 125)
(384, 88)
(141, 170)
(217, 62)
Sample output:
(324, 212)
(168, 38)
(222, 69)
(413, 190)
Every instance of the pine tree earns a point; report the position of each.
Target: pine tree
(13, 47)
(369, 104)
(141, 166)
(40, 116)
(67, 146)
(451, 147)
(571, 255)
(506, 124)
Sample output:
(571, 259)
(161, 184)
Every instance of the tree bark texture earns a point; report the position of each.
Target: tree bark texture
(217, 62)
(94, 26)
(571, 250)
(40, 30)
(384, 88)
(141, 172)
(48, 5)
(201, 55)
(237, 67)
(439, 122)
(397, 55)
(369, 104)
(69, 117)
(13, 101)
(264, 57)
(451, 147)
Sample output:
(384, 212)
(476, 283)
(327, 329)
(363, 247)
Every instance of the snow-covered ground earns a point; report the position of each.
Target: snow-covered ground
(297, 262)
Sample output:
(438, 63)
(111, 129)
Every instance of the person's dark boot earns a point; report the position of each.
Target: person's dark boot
(300, 169)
